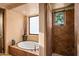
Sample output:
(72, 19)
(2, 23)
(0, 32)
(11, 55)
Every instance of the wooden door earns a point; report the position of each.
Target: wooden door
(63, 36)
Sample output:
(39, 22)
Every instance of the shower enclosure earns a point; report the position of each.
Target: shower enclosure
(1, 31)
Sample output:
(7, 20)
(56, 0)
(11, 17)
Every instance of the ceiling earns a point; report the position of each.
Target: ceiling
(10, 5)
(58, 5)
(29, 9)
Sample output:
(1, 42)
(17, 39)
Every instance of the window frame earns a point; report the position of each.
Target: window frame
(29, 25)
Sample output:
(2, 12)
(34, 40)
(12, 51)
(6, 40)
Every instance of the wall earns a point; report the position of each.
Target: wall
(33, 37)
(42, 29)
(49, 31)
(13, 27)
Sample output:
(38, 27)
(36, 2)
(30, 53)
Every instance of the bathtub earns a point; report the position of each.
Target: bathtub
(28, 45)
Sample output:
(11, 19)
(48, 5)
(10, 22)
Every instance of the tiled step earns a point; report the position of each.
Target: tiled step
(1, 54)
(55, 54)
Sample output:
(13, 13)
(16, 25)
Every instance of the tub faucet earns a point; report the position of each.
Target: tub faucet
(34, 47)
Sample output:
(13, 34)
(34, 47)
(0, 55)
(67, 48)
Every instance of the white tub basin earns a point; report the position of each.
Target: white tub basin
(28, 45)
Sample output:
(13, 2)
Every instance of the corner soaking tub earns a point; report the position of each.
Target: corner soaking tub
(24, 48)
(30, 45)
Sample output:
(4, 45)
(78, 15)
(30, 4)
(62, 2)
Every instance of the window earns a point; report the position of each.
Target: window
(59, 18)
(34, 25)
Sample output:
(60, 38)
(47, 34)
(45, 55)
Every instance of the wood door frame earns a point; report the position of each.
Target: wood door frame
(3, 10)
(4, 31)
